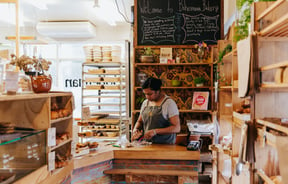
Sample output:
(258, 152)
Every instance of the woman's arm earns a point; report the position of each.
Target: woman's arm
(139, 124)
(137, 130)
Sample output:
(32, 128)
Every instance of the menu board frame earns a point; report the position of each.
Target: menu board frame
(178, 22)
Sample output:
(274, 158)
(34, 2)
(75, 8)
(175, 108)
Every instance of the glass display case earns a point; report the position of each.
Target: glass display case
(21, 152)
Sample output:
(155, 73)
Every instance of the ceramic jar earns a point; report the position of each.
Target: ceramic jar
(41, 83)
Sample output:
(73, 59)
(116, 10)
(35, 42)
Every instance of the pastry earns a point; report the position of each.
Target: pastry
(93, 144)
(60, 113)
(54, 114)
(66, 112)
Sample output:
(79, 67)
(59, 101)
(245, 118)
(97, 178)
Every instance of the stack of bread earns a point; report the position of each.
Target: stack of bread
(61, 137)
(6, 127)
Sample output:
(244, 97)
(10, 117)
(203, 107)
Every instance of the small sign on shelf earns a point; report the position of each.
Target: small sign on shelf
(86, 113)
(166, 55)
(200, 100)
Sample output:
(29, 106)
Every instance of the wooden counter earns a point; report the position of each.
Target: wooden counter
(154, 151)
(157, 151)
(146, 160)
(138, 164)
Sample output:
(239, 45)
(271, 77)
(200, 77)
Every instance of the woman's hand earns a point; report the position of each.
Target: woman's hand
(149, 134)
(136, 134)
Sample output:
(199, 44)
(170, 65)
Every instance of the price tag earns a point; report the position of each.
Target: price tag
(51, 161)
(86, 113)
(51, 136)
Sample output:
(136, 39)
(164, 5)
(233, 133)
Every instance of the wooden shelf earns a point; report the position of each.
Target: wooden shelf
(104, 87)
(270, 9)
(185, 111)
(102, 104)
(273, 126)
(104, 129)
(181, 87)
(239, 119)
(275, 65)
(226, 87)
(103, 64)
(170, 64)
(278, 28)
(262, 174)
(60, 119)
(103, 79)
(108, 73)
(227, 58)
(97, 96)
(102, 137)
(61, 144)
(275, 86)
(31, 96)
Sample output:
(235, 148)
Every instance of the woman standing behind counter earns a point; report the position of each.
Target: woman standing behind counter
(159, 116)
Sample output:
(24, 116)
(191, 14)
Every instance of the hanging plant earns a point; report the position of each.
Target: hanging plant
(241, 28)
(221, 54)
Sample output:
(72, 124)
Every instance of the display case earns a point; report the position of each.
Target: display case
(22, 152)
(29, 133)
(61, 124)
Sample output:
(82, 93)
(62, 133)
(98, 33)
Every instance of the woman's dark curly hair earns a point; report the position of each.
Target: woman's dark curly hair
(152, 83)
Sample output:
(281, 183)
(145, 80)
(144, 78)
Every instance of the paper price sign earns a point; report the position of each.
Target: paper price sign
(85, 113)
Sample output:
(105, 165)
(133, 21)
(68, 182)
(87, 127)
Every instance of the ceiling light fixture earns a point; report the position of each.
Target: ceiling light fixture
(13, 38)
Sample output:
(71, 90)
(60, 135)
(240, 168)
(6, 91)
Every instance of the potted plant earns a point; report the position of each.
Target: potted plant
(199, 81)
(147, 55)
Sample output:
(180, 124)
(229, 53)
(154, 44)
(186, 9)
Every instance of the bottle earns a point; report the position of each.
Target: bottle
(178, 58)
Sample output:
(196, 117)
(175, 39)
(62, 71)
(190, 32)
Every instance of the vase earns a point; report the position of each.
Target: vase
(201, 52)
(41, 83)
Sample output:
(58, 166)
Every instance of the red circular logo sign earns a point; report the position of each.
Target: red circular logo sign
(200, 100)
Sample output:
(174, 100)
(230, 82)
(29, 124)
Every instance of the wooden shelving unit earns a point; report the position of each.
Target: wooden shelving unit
(272, 38)
(105, 92)
(230, 121)
(185, 70)
(38, 109)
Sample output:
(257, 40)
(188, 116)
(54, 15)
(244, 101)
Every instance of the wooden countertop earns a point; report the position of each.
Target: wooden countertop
(30, 96)
(154, 151)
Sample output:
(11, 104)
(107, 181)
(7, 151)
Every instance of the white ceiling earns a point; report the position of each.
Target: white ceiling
(104, 17)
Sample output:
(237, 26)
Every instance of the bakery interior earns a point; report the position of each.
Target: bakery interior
(70, 84)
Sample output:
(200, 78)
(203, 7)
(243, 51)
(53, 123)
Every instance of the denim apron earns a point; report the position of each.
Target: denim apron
(152, 119)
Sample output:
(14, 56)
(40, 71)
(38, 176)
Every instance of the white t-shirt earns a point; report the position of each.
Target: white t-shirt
(169, 108)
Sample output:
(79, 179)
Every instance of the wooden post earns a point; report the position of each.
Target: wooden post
(16, 24)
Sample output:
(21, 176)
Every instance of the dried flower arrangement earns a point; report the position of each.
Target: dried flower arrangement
(28, 64)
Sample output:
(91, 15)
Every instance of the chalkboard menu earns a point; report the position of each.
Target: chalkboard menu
(178, 22)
